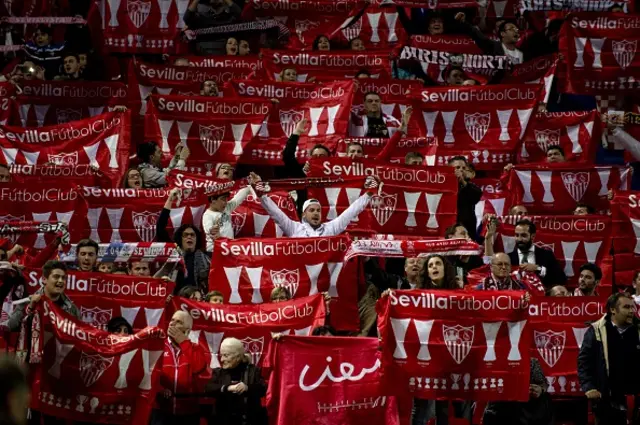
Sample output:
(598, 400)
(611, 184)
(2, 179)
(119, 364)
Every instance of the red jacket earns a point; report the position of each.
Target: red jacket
(180, 368)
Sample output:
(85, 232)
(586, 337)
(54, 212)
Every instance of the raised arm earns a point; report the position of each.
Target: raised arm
(393, 141)
(288, 226)
(340, 223)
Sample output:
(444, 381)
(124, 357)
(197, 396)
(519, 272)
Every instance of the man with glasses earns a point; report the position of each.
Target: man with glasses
(499, 278)
(508, 34)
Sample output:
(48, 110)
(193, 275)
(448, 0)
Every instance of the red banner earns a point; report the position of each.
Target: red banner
(410, 248)
(422, 201)
(475, 121)
(338, 379)
(326, 108)
(559, 325)
(254, 325)
(574, 240)
(600, 53)
(373, 147)
(577, 133)
(101, 142)
(313, 8)
(89, 375)
(453, 344)
(247, 270)
(494, 198)
(557, 188)
(574, 6)
(44, 103)
(215, 129)
(540, 70)
(101, 297)
(446, 43)
(242, 63)
(625, 218)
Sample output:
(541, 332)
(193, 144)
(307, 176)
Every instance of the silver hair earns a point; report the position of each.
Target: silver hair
(233, 344)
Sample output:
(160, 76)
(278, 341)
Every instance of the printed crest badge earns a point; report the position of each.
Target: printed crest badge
(67, 115)
(383, 206)
(284, 278)
(624, 51)
(96, 317)
(576, 184)
(550, 246)
(477, 125)
(145, 224)
(458, 340)
(138, 11)
(353, 30)
(237, 222)
(303, 26)
(13, 237)
(211, 138)
(546, 138)
(550, 345)
(289, 120)
(92, 367)
(253, 347)
(63, 158)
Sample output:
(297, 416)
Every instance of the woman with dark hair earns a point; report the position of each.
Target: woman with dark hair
(150, 157)
(119, 326)
(322, 43)
(190, 292)
(132, 179)
(189, 240)
(231, 47)
(439, 274)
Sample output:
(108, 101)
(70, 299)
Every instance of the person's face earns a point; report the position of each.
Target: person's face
(363, 76)
(29, 72)
(244, 48)
(280, 297)
(105, 267)
(87, 257)
(355, 151)
(122, 330)
(435, 268)
(225, 172)
(456, 78)
(413, 161)
(617, 9)
(501, 266)
(220, 203)
(83, 60)
(289, 75)
(229, 358)
(71, 65)
(55, 283)
(216, 299)
(313, 214)
(581, 211)
(372, 104)
(210, 88)
(413, 267)
(555, 156)
(5, 175)
(323, 44)
(18, 402)
(134, 179)
(189, 240)
(436, 26)
(559, 291)
(461, 233)
(524, 239)
(319, 153)
(518, 210)
(41, 39)
(357, 45)
(196, 296)
(140, 268)
(469, 83)
(232, 46)
(459, 167)
(469, 174)
(587, 281)
(181, 62)
(156, 158)
(178, 322)
(623, 312)
(510, 34)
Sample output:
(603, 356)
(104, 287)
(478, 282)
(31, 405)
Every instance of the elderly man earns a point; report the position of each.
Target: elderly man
(182, 362)
(499, 278)
(559, 291)
(238, 387)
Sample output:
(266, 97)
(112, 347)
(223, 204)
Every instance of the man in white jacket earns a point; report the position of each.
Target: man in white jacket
(310, 226)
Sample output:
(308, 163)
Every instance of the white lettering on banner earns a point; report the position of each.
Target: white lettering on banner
(83, 92)
(606, 23)
(181, 74)
(346, 374)
(4, 105)
(271, 91)
(633, 201)
(203, 107)
(302, 59)
(383, 89)
(124, 193)
(555, 309)
(61, 134)
(582, 5)
(577, 225)
(49, 195)
(321, 7)
(105, 287)
(482, 95)
(250, 318)
(205, 62)
(285, 248)
(458, 302)
(478, 62)
(356, 169)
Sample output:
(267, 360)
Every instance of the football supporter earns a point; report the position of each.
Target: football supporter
(555, 155)
(288, 75)
(132, 179)
(499, 278)
(356, 44)
(559, 291)
(231, 47)
(373, 122)
(190, 292)
(140, 268)
(87, 255)
(244, 48)
(209, 88)
(206, 14)
(583, 209)
(590, 277)
(214, 297)
(5, 173)
(468, 195)
(322, 43)
(463, 263)
(42, 51)
(509, 35)
(70, 68)
(280, 294)
(119, 326)
(150, 157)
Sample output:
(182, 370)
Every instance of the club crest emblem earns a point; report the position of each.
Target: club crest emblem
(289, 279)
(353, 30)
(96, 317)
(383, 207)
(550, 345)
(138, 11)
(546, 138)
(253, 347)
(145, 224)
(211, 138)
(92, 367)
(237, 222)
(304, 26)
(289, 120)
(458, 340)
(624, 51)
(477, 125)
(64, 158)
(576, 184)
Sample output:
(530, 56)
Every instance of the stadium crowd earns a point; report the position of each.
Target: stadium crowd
(425, 48)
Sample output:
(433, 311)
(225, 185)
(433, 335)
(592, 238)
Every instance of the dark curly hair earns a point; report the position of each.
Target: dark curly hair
(177, 236)
(448, 282)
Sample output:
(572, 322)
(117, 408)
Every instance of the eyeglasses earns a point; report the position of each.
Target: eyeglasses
(505, 265)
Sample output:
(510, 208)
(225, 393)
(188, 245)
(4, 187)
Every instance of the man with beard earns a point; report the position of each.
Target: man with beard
(209, 88)
(534, 259)
(590, 276)
(374, 122)
(140, 269)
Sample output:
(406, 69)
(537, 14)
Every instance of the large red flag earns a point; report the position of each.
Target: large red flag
(625, 217)
(451, 344)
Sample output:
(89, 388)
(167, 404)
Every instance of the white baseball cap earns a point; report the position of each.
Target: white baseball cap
(308, 203)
